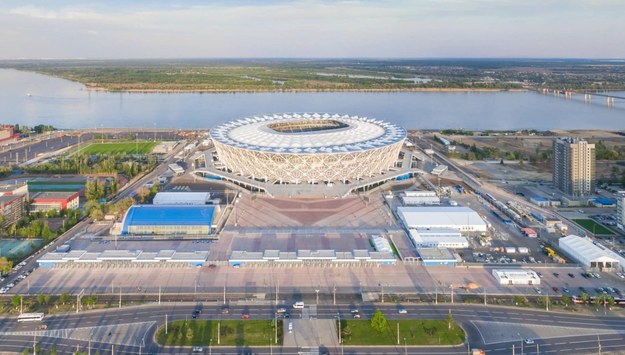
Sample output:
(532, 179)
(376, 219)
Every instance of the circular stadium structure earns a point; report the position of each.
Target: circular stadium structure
(308, 148)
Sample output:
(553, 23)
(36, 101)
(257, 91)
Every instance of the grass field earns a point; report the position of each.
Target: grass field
(415, 332)
(593, 227)
(233, 332)
(17, 248)
(119, 148)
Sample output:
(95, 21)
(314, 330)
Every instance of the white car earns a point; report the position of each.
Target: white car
(402, 311)
(298, 305)
(528, 341)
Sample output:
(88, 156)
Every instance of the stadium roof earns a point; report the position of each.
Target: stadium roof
(168, 215)
(343, 133)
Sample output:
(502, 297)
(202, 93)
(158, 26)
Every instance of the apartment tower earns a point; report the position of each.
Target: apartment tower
(574, 166)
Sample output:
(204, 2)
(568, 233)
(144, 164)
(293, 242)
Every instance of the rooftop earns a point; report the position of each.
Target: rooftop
(166, 215)
(57, 195)
(324, 133)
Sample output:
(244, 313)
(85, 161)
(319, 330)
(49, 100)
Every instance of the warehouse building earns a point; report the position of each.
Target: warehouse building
(461, 218)
(438, 238)
(181, 198)
(590, 254)
(168, 220)
(83, 258)
(437, 257)
(516, 277)
(419, 198)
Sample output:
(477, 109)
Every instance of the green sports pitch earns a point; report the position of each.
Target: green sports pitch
(593, 227)
(119, 148)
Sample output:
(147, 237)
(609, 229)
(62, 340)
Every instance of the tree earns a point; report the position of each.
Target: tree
(64, 298)
(5, 265)
(566, 300)
(46, 232)
(518, 300)
(46, 298)
(190, 333)
(584, 297)
(91, 301)
(378, 321)
(41, 299)
(16, 301)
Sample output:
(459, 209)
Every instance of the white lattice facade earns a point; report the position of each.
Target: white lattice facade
(308, 148)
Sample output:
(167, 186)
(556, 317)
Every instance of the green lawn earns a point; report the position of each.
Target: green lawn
(415, 332)
(593, 227)
(119, 148)
(243, 332)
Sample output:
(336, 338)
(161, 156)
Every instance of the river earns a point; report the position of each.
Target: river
(29, 99)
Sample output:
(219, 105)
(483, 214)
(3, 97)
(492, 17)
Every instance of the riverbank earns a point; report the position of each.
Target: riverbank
(92, 87)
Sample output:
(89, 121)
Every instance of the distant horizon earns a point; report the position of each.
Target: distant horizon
(321, 58)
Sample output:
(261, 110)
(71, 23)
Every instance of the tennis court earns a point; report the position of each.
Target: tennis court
(17, 248)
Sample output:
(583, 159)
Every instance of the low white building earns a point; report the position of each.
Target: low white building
(381, 244)
(593, 255)
(461, 218)
(181, 198)
(516, 277)
(419, 198)
(438, 238)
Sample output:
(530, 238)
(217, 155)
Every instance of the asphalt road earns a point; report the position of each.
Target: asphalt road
(463, 314)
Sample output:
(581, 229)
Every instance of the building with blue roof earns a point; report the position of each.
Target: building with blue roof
(168, 220)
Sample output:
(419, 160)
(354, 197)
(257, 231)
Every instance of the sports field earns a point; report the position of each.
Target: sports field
(119, 148)
(593, 227)
(16, 248)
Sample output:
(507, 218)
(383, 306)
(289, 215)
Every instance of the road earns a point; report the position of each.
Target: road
(463, 314)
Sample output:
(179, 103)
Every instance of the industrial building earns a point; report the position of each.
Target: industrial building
(181, 198)
(437, 257)
(311, 148)
(168, 220)
(419, 198)
(461, 218)
(83, 258)
(589, 254)
(54, 201)
(574, 166)
(438, 238)
(240, 258)
(516, 277)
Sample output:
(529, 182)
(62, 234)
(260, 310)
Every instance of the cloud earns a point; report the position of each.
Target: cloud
(311, 28)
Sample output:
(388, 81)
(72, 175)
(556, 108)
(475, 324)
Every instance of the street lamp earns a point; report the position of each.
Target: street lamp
(317, 292)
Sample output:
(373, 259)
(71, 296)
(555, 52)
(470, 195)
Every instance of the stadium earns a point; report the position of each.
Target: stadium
(308, 148)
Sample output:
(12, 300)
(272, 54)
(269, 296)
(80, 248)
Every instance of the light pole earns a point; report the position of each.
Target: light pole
(210, 347)
(317, 292)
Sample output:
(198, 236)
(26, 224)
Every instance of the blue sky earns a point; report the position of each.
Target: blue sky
(311, 28)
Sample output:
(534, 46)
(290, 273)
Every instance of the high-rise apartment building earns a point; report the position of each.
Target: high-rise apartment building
(620, 210)
(574, 166)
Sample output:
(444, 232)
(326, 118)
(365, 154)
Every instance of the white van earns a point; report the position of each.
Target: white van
(298, 305)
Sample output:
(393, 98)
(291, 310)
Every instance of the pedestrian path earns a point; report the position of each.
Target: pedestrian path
(132, 334)
(504, 332)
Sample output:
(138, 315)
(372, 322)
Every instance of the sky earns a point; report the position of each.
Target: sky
(97, 29)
